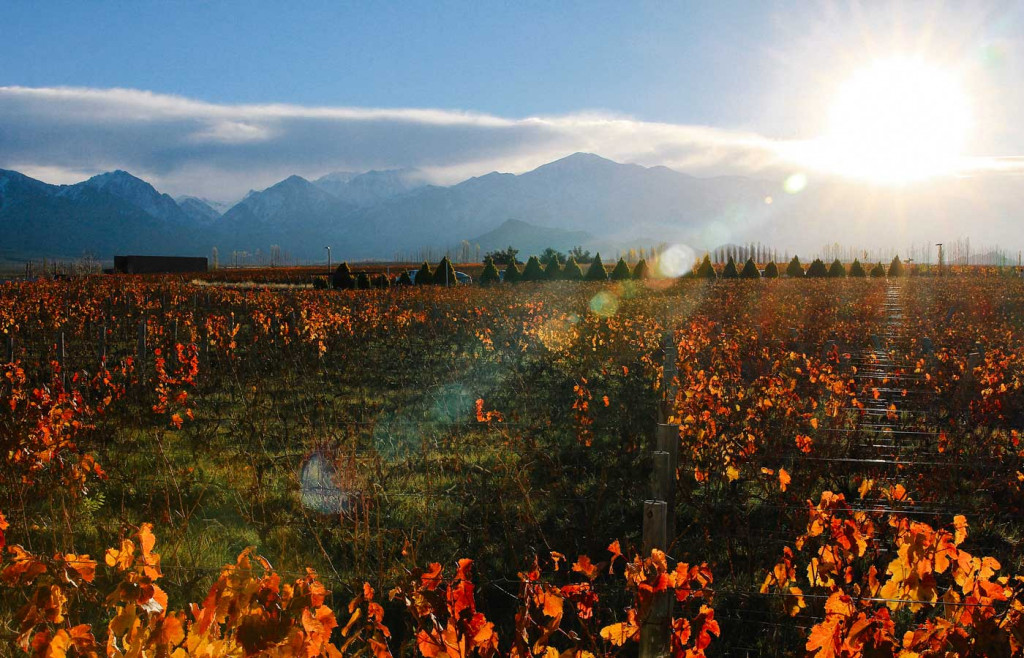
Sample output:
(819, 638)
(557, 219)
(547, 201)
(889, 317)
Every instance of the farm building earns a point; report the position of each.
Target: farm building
(158, 264)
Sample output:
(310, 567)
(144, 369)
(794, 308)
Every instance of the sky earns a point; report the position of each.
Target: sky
(215, 98)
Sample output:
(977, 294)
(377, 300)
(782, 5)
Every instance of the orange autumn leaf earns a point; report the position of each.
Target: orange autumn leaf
(620, 633)
(616, 552)
(784, 479)
(584, 566)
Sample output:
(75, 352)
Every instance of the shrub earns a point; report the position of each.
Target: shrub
(621, 271)
(640, 270)
(836, 270)
(896, 267)
(750, 270)
(552, 271)
(572, 271)
(382, 282)
(596, 271)
(404, 279)
(730, 271)
(512, 274)
(771, 271)
(857, 270)
(795, 269)
(533, 271)
(342, 279)
(706, 269)
(817, 270)
(424, 277)
(490, 274)
(320, 283)
(362, 281)
(878, 271)
(444, 275)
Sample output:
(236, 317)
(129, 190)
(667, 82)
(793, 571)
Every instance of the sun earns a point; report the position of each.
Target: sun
(896, 121)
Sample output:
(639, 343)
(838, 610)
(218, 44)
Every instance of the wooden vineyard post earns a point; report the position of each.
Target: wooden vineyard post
(141, 348)
(659, 513)
(655, 628)
(10, 347)
(60, 357)
(668, 444)
(101, 350)
(670, 352)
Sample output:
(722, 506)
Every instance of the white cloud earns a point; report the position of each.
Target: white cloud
(220, 151)
(186, 146)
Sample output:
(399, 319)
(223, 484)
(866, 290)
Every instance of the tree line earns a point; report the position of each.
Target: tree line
(795, 269)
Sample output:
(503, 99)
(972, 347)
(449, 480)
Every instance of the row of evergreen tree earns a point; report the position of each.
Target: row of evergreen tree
(444, 273)
(553, 271)
(795, 269)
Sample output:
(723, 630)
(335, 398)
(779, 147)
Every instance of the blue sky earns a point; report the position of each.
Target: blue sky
(657, 61)
(707, 87)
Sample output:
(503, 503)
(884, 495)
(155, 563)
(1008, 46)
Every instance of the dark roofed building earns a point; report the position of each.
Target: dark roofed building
(158, 264)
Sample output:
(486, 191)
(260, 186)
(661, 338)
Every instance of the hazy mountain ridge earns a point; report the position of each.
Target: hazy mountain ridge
(372, 187)
(530, 238)
(580, 199)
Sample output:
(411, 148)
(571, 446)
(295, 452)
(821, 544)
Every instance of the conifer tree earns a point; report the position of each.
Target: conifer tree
(730, 271)
(490, 274)
(857, 270)
(795, 269)
(362, 281)
(771, 271)
(342, 279)
(512, 273)
(836, 270)
(404, 279)
(621, 271)
(424, 277)
(878, 271)
(640, 270)
(896, 267)
(750, 270)
(596, 271)
(533, 270)
(552, 272)
(817, 270)
(444, 275)
(572, 271)
(706, 269)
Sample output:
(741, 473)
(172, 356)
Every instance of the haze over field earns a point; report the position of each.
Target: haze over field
(360, 127)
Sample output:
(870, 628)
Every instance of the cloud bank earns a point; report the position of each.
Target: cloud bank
(185, 146)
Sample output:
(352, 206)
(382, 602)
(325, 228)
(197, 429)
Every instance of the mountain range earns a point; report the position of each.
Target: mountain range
(580, 199)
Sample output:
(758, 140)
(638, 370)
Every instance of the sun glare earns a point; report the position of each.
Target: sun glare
(896, 121)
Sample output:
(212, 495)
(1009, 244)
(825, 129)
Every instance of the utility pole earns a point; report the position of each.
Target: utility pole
(328, 260)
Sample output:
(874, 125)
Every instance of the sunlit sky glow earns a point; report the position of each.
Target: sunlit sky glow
(217, 98)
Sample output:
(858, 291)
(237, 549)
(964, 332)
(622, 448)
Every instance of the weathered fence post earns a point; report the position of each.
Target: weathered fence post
(141, 347)
(670, 353)
(60, 356)
(655, 630)
(668, 442)
(659, 513)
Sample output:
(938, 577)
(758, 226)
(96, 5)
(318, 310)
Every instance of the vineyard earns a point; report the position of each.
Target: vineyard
(203, 470)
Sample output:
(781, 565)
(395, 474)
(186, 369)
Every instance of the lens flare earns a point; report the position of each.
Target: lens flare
(795, 183)
(604, 304)
(676, 261)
